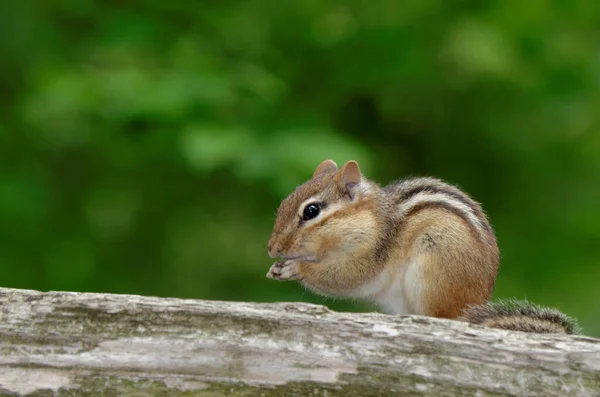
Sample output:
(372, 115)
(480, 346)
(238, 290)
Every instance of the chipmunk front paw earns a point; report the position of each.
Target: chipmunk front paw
(284, 270)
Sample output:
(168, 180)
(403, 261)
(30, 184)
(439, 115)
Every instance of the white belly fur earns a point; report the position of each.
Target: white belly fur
(391, 287)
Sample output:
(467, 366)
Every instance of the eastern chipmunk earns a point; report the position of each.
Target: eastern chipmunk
(417, 246)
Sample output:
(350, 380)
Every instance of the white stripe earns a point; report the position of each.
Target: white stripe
(362, 188)
(427, 197)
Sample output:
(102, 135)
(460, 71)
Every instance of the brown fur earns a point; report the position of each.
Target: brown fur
(456, 267)
(520, 316)
(524, 324)
(361, 237)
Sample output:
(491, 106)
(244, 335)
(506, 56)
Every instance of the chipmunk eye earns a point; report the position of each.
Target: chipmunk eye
(311, 211)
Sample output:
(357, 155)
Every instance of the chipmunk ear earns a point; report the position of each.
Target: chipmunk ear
(350, 177)
(325, 166)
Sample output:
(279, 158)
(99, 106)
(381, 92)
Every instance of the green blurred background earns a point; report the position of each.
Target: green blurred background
(145, 145)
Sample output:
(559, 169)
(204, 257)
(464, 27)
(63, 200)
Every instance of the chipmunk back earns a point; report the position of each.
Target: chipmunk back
(417, 246)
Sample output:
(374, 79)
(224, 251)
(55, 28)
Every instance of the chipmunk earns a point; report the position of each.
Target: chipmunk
(417, 246)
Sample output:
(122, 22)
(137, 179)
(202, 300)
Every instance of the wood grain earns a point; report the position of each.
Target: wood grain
(80, 344)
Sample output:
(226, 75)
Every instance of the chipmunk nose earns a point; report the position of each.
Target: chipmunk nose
(273, 250)
(274, 246)
(270, 250)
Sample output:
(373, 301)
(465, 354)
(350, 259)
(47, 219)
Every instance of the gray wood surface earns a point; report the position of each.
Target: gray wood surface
(75, 344)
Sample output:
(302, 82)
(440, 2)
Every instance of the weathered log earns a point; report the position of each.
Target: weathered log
(73, 344)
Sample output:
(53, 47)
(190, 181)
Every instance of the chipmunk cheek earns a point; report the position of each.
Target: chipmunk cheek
(328, 244)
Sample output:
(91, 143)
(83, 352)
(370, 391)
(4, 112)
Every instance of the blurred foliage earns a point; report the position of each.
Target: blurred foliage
(145, 145)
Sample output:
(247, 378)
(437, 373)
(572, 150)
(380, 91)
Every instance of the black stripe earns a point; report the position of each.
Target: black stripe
(436, 189)
(444, 205)
(450, 192)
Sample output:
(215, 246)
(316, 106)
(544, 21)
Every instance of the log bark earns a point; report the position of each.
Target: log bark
(82, 344)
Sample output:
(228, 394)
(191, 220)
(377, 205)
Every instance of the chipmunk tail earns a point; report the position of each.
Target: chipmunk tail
(521, 315)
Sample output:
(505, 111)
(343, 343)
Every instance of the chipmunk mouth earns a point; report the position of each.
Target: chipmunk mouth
(304, 258)
(287, 257)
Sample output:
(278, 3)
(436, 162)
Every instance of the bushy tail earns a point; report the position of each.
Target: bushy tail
(521, 315)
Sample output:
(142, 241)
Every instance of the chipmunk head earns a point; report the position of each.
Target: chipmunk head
(327, 213)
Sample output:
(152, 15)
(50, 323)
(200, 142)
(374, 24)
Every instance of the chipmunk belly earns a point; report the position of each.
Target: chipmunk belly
(387, 290)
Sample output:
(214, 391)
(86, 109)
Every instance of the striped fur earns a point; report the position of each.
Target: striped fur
(521, 316)
(415, 192)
